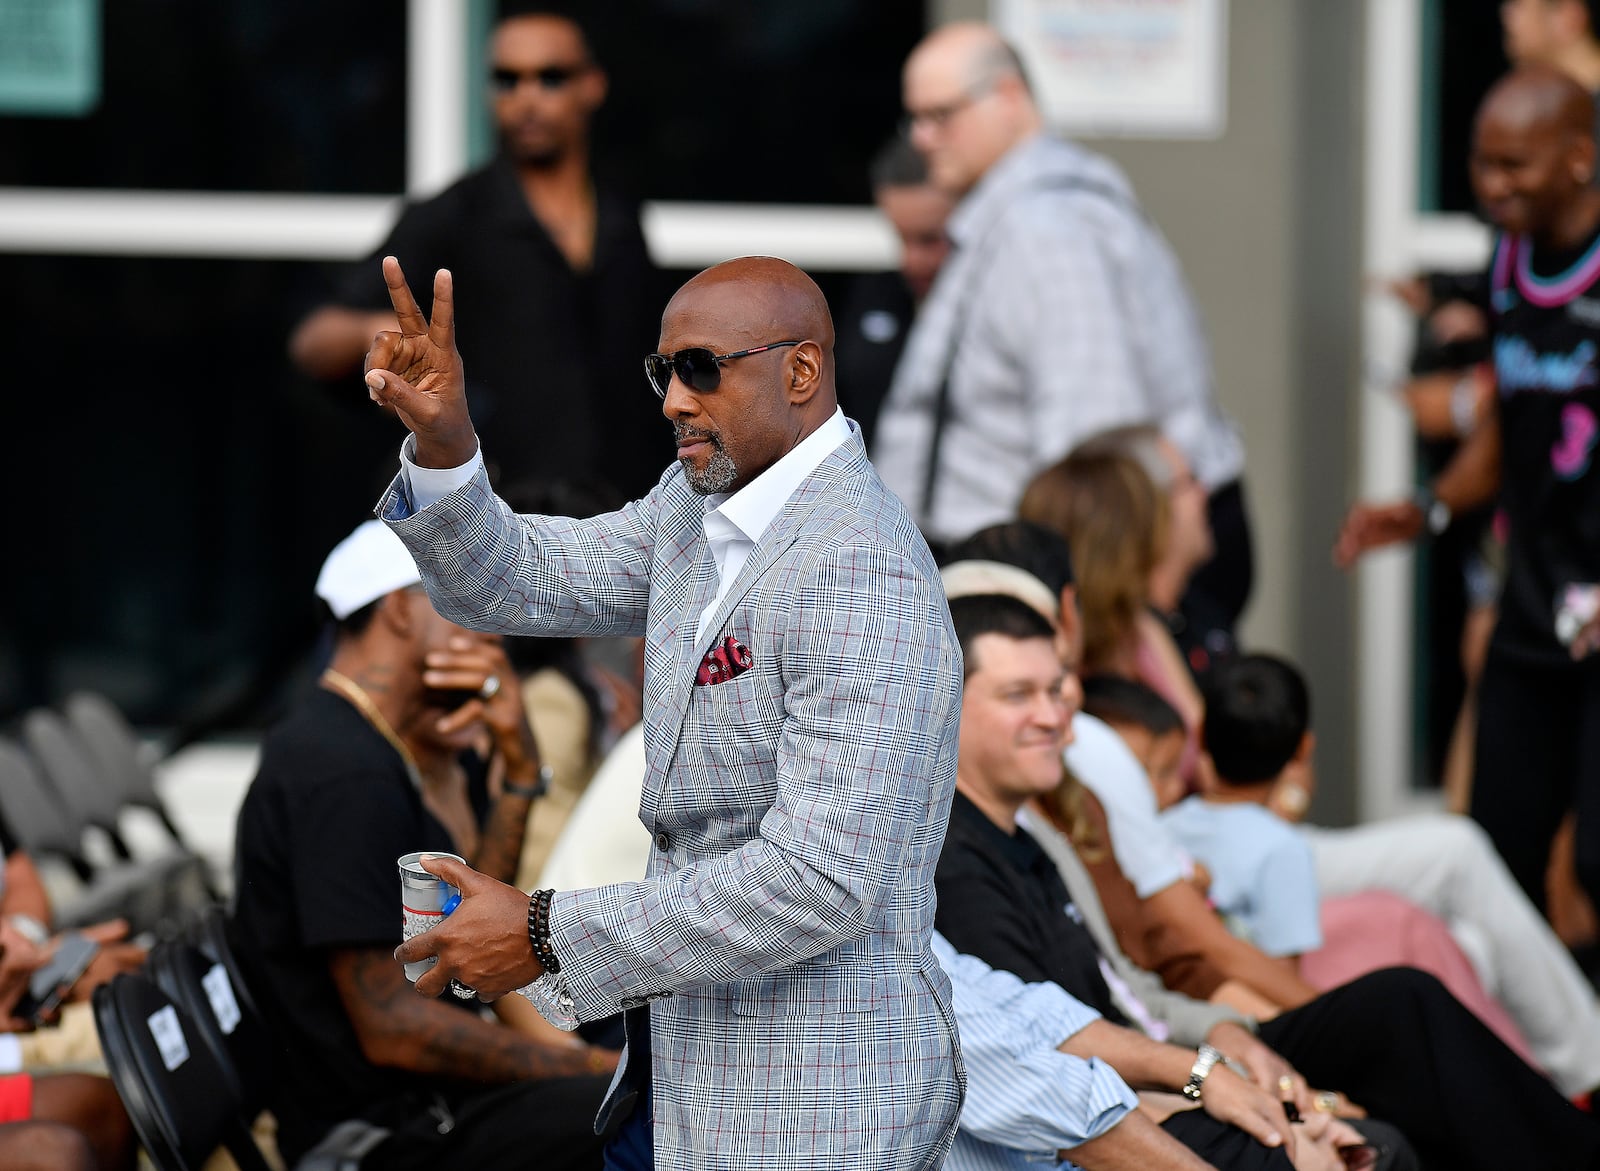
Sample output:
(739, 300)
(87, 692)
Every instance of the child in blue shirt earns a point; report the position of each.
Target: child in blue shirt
(1263, 876)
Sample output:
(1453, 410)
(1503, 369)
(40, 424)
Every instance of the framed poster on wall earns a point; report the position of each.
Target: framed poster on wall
(1124, 68)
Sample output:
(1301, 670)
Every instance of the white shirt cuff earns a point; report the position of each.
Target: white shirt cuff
(427, 486)
(549, 995)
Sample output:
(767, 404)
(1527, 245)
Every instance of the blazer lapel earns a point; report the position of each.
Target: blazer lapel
(780, 536)
(777, 540)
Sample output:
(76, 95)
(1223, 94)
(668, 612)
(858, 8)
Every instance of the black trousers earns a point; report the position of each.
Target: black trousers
(1225, 1147)
(1226, 579)
(1399, 1044)
(1538, 755)
(545, 1124)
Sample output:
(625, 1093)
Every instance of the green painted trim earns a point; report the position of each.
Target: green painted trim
(50, 57)
(1430, 72)
(480, 125)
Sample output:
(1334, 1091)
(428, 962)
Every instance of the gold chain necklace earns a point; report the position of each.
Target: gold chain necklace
(353, 691)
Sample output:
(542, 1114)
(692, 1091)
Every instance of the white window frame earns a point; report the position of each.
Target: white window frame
(1398, 240)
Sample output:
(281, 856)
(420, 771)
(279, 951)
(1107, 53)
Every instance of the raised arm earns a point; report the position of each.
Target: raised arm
(1469, 480)
(417, 370)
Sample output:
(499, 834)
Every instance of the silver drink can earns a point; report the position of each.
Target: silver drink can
(422, 901)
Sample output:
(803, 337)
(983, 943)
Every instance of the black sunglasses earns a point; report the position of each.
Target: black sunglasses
(549, 77)
(697, 368)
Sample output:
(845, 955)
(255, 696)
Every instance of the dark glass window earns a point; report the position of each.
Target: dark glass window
(174, 485)
(781, 101)
(1462, 57)
(242, 95)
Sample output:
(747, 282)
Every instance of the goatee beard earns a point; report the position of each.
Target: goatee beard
(720, 471)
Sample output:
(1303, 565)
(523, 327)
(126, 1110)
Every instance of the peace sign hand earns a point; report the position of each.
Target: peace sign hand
(418, 372)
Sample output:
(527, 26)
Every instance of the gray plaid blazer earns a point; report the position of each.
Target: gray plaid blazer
(780, 937)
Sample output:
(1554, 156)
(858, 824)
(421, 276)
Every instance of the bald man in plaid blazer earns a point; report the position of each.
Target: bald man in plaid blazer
(802, 697)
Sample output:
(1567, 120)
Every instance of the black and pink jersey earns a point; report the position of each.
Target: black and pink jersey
(1545, 313)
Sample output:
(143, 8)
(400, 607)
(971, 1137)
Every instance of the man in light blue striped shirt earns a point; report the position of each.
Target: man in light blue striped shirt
(1029, 1103)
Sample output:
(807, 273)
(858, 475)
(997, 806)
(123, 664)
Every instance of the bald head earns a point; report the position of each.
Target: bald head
(1538, 97)
(968, 99)
(760, 297)
(972, 54)
(1533, 154)
(756, 406)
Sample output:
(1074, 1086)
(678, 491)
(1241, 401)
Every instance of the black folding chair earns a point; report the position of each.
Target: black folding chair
(45, 830)
(224, 1017)
(180, 1102)
(118, 754)
(248, 1044)
(177, 880)
(73, 776)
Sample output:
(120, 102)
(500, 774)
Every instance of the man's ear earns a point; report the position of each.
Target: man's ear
(1308, 745)
(595, 87)
(805, 373)
(394, 612)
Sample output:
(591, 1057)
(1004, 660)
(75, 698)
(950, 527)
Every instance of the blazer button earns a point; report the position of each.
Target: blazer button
(664, 841)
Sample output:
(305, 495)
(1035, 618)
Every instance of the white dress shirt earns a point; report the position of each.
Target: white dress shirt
(734, 521)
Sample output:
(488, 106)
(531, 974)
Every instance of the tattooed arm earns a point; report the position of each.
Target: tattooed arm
(399, 1029)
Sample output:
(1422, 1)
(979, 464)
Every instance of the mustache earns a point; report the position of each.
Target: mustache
(682, 431)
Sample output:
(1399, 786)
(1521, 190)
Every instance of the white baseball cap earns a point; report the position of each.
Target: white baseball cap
(367, 564)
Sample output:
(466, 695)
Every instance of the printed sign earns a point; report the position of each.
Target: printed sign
(1133, 68)
(168, 1033)
(219, 990)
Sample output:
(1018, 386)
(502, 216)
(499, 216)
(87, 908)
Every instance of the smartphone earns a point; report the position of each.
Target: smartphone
(51, 982)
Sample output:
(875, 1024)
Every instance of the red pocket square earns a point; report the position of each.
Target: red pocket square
(729, 659)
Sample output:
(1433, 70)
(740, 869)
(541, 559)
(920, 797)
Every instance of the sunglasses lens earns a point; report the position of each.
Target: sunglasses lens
(554, 77)
(698, 368)
(504, 80)
(658, 369)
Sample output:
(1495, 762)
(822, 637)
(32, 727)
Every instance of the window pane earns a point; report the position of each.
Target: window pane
(174, 485)
(231, 95)
(1463, 52)
(781, 101)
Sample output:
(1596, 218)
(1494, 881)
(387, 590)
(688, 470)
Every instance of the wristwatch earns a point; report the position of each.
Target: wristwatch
(1207, 1058)
(1436, 513)
(30, 929)
(534, 791)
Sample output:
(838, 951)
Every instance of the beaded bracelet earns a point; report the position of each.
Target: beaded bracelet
(539, 930)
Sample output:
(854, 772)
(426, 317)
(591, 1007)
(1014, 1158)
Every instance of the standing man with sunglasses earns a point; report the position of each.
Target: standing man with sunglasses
(545, 261)
(784, 1009)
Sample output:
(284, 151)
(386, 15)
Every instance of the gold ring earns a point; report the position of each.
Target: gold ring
(1286, 1084)
(1327, 1101)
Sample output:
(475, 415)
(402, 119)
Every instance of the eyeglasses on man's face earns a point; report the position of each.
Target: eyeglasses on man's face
(938, 117)
(547, 77)
(697, 368)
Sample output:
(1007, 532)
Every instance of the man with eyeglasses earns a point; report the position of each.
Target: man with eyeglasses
(784, 1008)
(546, 262)
(1060, 312)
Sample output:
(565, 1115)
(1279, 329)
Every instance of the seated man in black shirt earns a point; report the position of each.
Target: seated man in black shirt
(367, 768)
(1395, 1040)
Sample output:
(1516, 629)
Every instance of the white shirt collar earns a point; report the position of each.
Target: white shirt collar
(753, 508)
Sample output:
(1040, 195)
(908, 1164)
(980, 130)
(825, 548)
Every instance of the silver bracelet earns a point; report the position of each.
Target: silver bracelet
(1205, 1060)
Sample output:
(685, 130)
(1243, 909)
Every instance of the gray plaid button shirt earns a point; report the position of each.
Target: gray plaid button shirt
(1071, 315)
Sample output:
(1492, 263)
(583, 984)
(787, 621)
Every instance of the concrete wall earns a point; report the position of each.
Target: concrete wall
(1266, 222)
